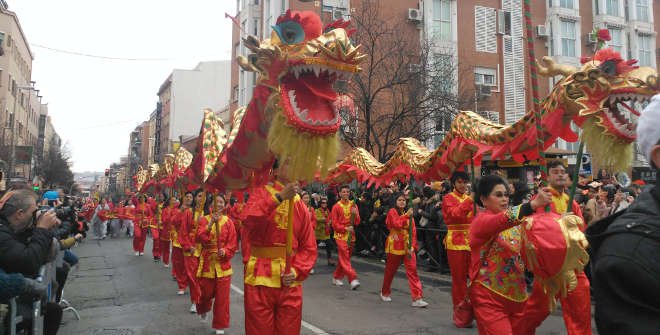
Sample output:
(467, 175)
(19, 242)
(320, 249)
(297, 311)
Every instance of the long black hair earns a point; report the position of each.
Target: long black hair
(486, 185)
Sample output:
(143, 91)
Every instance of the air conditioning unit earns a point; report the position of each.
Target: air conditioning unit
(414, 15)
(591, 39)
(542, 31)
(484, 90)
(337, 15)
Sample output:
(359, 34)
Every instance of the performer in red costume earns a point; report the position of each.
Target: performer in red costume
(457, 211)
(398, 250)
(167, 215)
(217, 236)
(576, 305)
(235, 216)
(186, 235)
(306, 199)
(143, 216)
(344, 216)
(273, 297)
(497, 273)
(156, 224)
(178, 263)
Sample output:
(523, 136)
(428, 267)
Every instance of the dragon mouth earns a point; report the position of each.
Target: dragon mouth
(308, 95)
(620, 114)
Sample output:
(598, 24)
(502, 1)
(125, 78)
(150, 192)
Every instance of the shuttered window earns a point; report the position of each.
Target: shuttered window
(485, 29)
(514, 64)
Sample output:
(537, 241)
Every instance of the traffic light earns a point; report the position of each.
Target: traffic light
(107, 172)
(35, 187)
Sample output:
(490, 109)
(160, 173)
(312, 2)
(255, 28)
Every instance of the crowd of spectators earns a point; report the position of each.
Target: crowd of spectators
(36, 234)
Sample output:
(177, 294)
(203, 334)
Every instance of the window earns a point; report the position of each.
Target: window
(485, 76)
(645, 50)
(567, 29)
(442, 68)
(617, 40)
(485, 29)
(642, 10)
(441, 25)
(612, 7)
(566, 4)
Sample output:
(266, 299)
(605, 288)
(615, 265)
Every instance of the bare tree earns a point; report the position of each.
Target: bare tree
(56, 168)
(406, 87)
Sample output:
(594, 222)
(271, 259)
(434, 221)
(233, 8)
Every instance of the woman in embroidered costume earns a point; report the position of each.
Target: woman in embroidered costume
(167, 215)
(497, 273)
(178, 263)
(217, 236)
(322, 231)
(156, 225)
(398, 249)
(306, 199)
(186, 235)
(143, 216)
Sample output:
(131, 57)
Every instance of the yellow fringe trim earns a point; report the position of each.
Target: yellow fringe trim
(302, 153)
(606, 149)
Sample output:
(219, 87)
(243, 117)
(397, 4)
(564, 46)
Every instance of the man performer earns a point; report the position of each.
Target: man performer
(344, 216)
(458, 211)
(273, 296)
(576, 305)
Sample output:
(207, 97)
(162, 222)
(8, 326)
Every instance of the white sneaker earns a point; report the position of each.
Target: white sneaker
(420, 303)
(166, 265)
(219, 332)
(193, 308)
(337, 282)
(180, 292)
(204, 317)
(385, 298)
(311, 272)
(355, 284)
(142, 253)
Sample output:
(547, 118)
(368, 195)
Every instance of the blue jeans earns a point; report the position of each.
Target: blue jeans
(70, 257)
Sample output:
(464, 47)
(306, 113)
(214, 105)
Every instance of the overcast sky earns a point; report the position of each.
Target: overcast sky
(95, 103)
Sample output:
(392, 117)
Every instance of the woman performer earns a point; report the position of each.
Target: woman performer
(178, 263)
(167, 215)
(306, 198)
(156, 225)
(143, 216)
(323, 229)
(398, 248)
(497, 273)
(217, 236)
(189, 223)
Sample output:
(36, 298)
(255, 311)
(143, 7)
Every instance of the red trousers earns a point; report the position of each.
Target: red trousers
(273, 311)
(495, 314)
(459, 264)
(179, 268)
(392, 264)
(155, 248)
(344, 267)
(215, 291)
(165, 251)
(139, 238)
(191, 264)
(576, 307)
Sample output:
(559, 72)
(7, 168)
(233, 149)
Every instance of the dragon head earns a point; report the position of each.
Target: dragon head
(298, 68)
(602, 97)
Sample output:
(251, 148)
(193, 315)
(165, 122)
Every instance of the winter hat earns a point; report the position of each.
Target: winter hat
(648, 127)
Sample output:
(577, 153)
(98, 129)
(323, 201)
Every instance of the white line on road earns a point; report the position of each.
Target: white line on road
(313, 328)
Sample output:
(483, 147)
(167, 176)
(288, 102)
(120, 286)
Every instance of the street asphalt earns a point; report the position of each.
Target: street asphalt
(118, 293)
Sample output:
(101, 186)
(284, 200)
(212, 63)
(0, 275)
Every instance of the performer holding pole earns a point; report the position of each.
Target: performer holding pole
(457, 211)
(143, 217)
(399, 249)
(187, 231)
(344, 216)
(576, 305)
(273, 297)
(167, 217)
(217, 236)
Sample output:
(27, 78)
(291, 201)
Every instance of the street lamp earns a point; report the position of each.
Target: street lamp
(12, 161)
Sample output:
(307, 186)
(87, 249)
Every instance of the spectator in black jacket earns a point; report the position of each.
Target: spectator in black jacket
(24, 248)
(625, 248)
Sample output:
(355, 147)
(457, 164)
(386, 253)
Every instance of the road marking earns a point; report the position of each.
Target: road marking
(316, 330)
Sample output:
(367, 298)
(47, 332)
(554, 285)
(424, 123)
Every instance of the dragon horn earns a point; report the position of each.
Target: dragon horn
(552, 69)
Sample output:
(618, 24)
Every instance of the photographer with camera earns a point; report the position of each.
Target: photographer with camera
(26, 241)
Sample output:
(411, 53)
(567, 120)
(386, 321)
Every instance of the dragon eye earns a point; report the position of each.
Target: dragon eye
(290, 32)
(608, 67)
